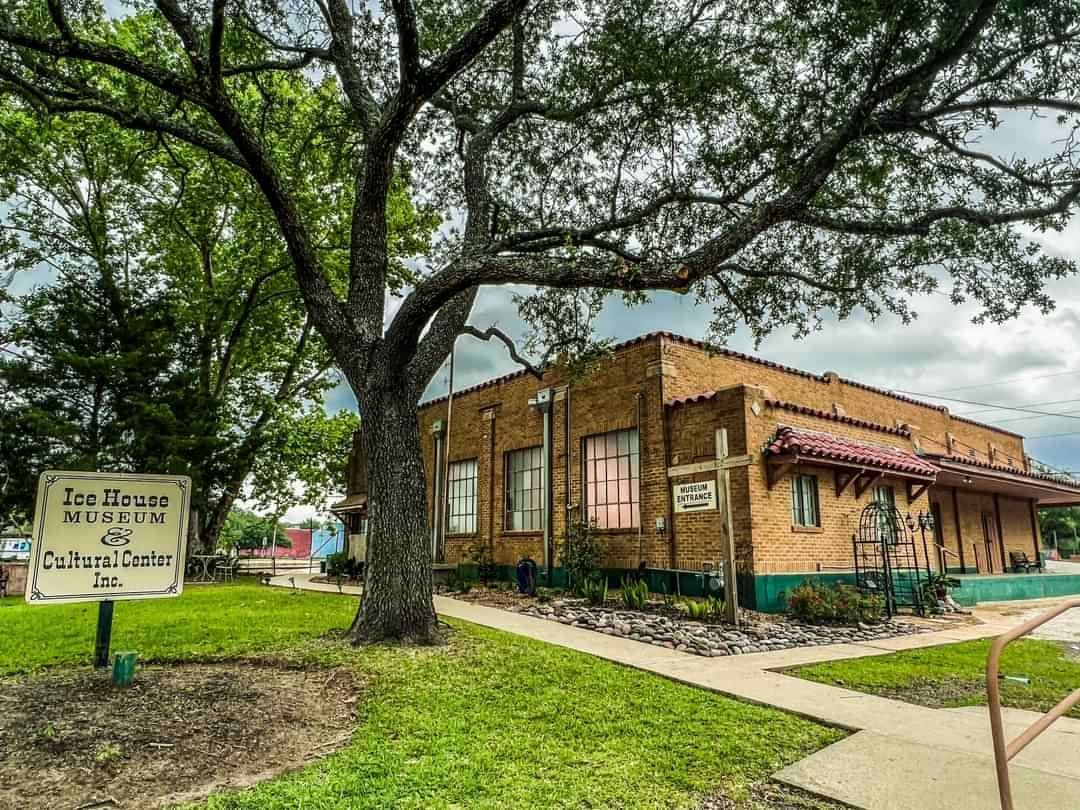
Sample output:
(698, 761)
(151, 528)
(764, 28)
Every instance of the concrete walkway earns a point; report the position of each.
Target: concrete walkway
(901, 756)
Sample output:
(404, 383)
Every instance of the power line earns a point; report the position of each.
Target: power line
(1024, 405)
(1018, 409)
(1006, 382)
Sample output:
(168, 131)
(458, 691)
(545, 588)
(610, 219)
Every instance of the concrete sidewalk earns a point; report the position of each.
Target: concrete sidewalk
(901, 756)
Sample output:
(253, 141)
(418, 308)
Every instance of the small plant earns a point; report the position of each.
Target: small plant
(669, 599)
(634, 594)
(48, 732)
(595, 590)
(337, 563)
(704, 610)
(815, 602)
(936, 589)
(580, 556)
(107, 754)
(456, 582)
(481, 555)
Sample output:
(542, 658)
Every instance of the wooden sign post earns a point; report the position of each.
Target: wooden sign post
(722, 464)
(727, 542)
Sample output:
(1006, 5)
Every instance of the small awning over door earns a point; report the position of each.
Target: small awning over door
(858, 464)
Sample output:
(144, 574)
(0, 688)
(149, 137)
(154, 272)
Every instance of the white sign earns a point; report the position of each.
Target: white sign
(104, 536)
(698, 496)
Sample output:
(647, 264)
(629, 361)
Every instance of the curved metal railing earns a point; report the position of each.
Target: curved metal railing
(1005, 751)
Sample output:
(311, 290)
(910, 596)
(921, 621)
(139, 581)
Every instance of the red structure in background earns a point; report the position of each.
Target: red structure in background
(301, 546)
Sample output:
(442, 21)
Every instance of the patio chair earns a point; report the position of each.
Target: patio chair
(226, 568)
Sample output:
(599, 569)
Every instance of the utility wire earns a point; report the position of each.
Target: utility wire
(985, 404)
(1005, 382)
(1022, 405)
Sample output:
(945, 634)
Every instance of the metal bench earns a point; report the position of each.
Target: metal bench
(1018, 561)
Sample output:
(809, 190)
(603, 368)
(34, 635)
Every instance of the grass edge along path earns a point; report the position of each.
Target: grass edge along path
(954, 675)
(489, 721)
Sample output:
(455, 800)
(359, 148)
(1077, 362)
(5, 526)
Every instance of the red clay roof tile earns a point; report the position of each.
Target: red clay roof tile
(814, 444)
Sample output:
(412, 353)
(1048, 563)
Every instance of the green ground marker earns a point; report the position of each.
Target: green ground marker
(123, 671)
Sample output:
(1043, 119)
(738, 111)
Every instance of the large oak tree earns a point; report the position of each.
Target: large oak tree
(774, 160)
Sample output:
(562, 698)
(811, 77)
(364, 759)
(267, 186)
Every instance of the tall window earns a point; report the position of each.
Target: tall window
(887, 515)
(805, 510)
(461, 497)
(612, 480)
(525, 489)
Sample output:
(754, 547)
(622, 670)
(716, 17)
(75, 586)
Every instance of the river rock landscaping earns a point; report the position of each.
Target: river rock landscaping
(666, 627)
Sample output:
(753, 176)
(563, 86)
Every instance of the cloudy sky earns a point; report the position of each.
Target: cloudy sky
(942, 352)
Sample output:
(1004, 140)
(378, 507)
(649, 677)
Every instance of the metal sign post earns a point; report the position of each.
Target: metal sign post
(104, 633)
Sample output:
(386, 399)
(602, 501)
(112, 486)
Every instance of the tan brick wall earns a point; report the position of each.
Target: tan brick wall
(491, 420)
(694, 370)
(603, 402)
(1016, 530)
(692, 427)
(780, 547)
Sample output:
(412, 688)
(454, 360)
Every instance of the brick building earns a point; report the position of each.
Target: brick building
(632, 449)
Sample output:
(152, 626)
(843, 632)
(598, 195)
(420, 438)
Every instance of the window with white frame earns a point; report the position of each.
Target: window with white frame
(525, 489)
(888, 528)
(461, 497)
(613, 480)
(805, 510)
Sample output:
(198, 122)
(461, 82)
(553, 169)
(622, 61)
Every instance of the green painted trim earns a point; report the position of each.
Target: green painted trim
(771, 590)
(1008, 587)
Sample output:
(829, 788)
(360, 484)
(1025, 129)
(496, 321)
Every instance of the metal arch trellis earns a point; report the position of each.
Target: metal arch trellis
(886, 559)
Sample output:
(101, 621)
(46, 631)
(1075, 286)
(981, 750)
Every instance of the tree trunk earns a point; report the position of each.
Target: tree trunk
(397, 601)
(211, 531)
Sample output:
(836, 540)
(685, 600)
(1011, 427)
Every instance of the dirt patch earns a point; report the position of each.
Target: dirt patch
(771, 796)
(71, 740)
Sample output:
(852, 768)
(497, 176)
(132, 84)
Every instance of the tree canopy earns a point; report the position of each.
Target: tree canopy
(776, 161)
(167, 334)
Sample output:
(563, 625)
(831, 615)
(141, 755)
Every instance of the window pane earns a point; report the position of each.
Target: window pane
(612, 485)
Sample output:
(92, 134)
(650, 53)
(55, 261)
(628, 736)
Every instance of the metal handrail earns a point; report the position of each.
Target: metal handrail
(1005, 751)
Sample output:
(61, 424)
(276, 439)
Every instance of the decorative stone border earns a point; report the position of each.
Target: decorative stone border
(710, 640)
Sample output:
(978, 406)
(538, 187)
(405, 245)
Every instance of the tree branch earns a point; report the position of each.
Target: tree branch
(493, 332)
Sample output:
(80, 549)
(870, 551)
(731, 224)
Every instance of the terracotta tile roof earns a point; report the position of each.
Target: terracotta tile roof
(704, 396)
(1062, 480)
(806, 410)
(814, 444)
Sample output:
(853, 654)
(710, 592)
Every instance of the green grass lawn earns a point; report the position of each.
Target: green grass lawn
(954, 675)
(207, 622)
(488, 721)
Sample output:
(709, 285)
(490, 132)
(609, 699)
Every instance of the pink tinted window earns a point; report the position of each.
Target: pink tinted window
(612, 486)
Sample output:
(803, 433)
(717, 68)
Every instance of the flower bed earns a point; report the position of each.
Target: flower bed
(663, 626)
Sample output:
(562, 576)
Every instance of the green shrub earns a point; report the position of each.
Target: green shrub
(459, 582)
(580, 556)
(634, 594)
(815, 602)
(595, 590)
(337, 563)
(480, 555)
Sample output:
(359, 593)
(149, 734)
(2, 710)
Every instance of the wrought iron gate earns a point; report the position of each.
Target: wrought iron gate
(886, 559)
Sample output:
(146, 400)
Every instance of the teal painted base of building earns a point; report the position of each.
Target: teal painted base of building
(768, 592)
(1009, 587)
